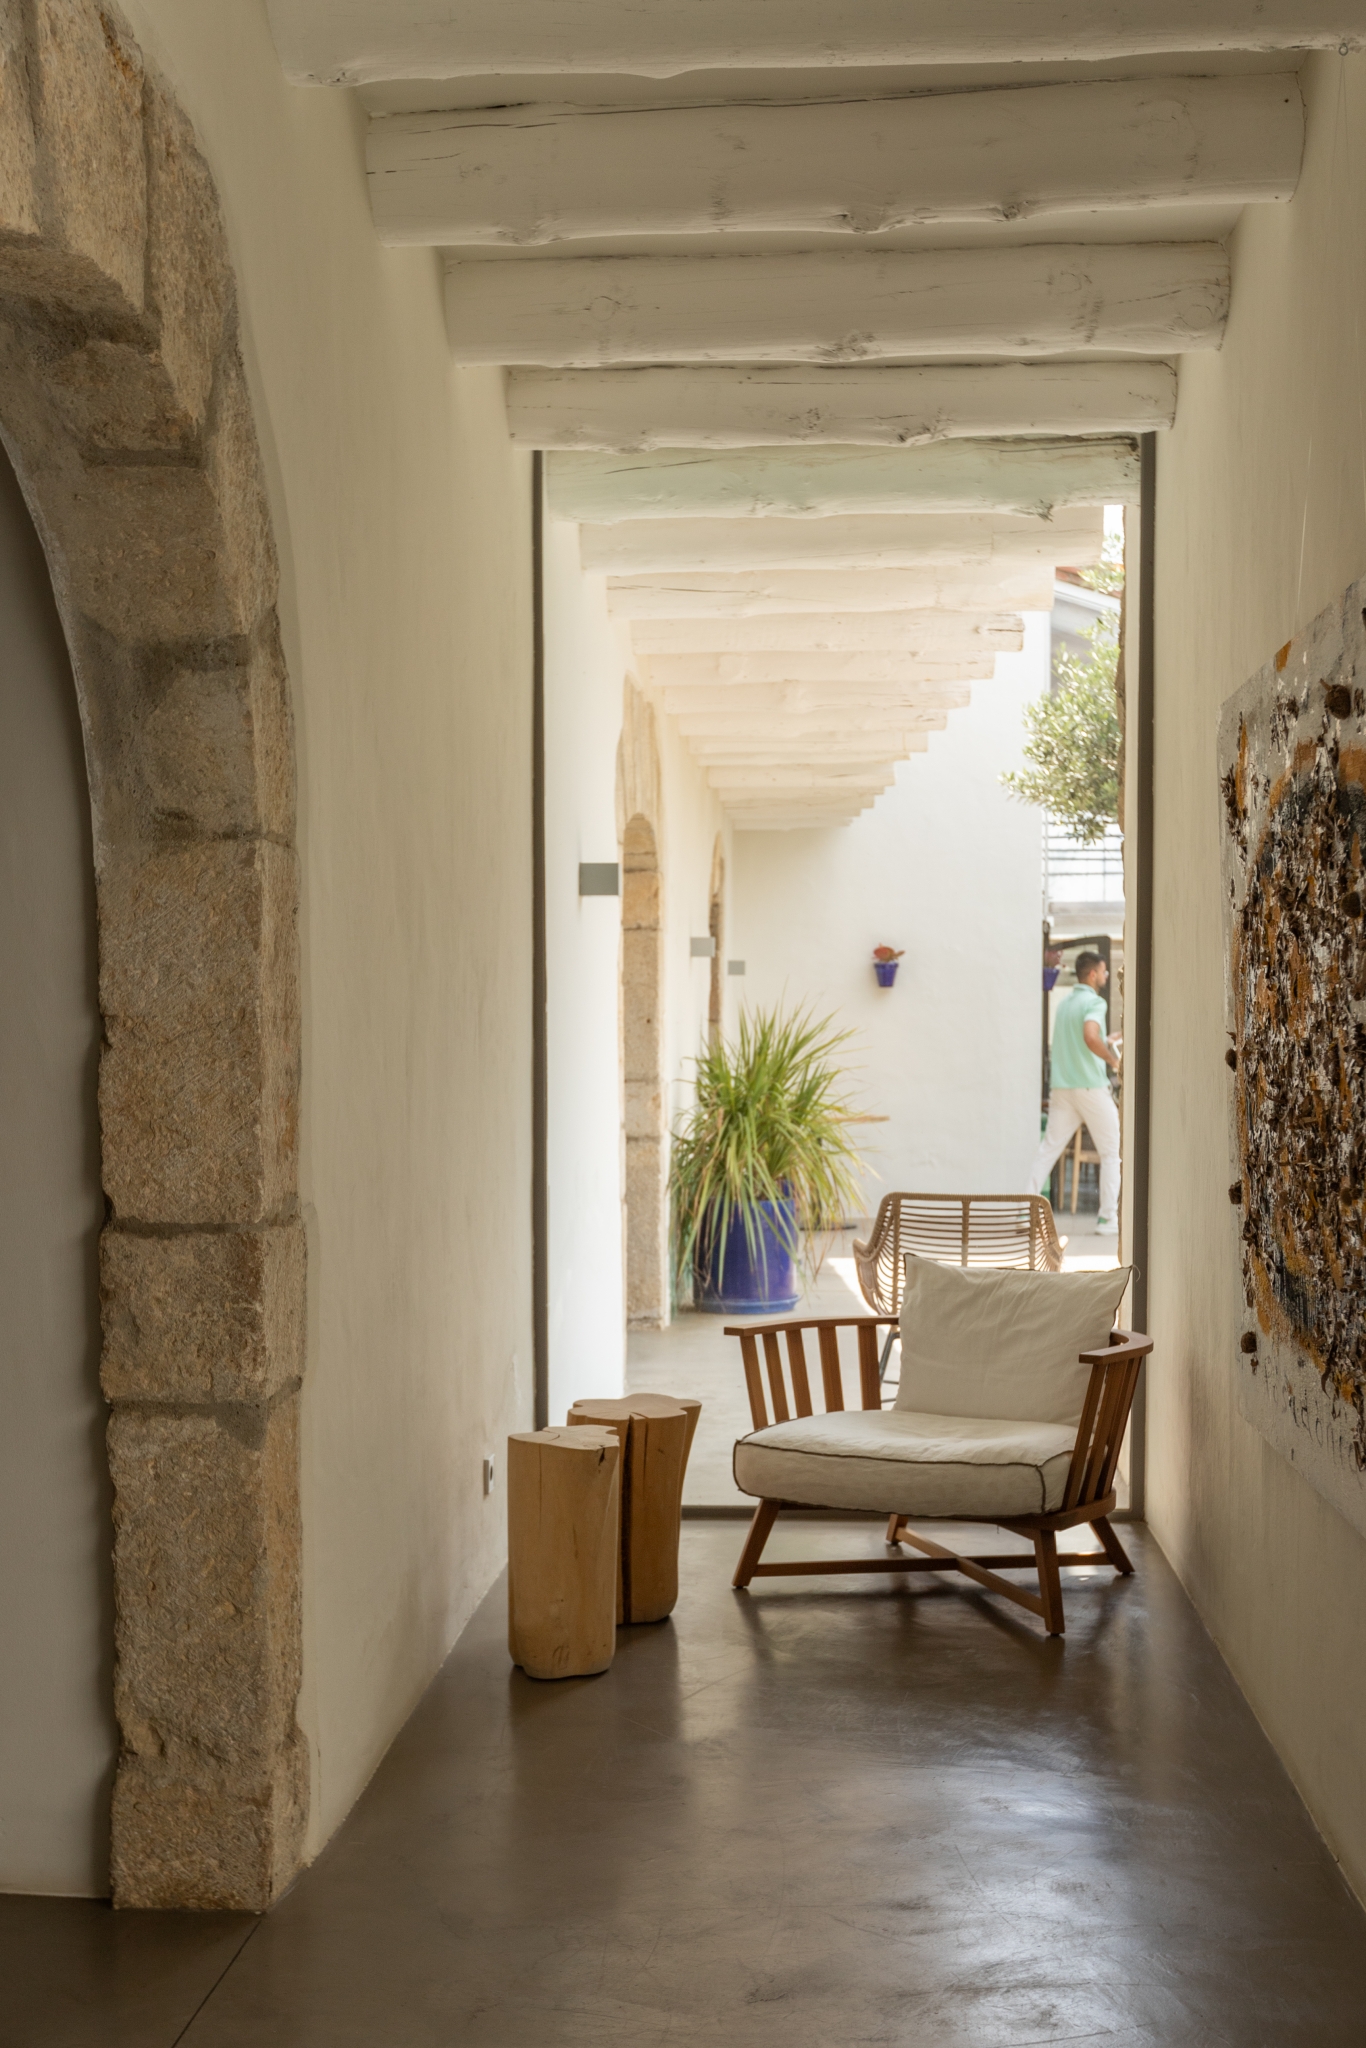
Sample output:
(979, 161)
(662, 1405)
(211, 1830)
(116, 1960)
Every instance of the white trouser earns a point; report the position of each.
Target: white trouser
(1067, 1108)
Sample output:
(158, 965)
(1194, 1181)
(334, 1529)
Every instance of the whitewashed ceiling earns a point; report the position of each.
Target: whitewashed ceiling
(838, 324)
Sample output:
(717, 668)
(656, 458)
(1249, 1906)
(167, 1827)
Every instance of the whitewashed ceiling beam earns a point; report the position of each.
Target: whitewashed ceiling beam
(1031, 477)
(926, 632)
(921, 541)
(491, 176)
(795, 701)
(830, 744)
(869, 775)
(883, 406)
(753, 593)
(1144, 298)
(354, 42)
(678, 670)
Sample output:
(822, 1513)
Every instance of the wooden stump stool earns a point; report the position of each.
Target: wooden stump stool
(564, 1498)
(656, 1433)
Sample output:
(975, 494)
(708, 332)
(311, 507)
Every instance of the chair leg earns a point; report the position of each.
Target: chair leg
(765, 1515)
(1113, 1548)
(893, 1524)
(1050, 1585)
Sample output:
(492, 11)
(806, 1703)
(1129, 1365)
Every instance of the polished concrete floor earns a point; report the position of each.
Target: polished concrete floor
(823, 1813)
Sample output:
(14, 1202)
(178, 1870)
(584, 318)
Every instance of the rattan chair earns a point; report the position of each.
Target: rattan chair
(961, 1230)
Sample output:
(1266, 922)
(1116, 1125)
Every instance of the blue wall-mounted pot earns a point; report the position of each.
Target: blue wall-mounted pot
(885, 970)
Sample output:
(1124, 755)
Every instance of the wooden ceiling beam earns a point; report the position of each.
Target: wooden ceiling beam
(1036, 478)
(355, 42)
(678, 670)
(523, 175)
(755, 593)
(881, 406)
(939, 635)
(920, 541)
(1031, 299)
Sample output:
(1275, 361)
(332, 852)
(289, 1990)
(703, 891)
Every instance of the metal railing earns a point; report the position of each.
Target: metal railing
(1075, 873)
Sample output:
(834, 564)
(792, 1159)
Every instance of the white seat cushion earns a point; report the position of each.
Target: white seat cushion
(990, 1341)
(894, 1462)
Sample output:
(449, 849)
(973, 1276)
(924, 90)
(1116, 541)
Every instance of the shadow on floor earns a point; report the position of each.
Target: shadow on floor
(817, 1814)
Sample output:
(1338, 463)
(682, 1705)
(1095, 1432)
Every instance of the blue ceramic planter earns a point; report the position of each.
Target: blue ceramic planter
(751, 1282)
(885, 970)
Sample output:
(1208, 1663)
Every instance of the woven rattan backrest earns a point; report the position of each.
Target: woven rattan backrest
(960, 1230)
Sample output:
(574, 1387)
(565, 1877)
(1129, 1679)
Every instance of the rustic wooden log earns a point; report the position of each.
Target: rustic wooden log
(753, 594)
(1024, 299)
(910, 540)
(879, 406)
(946, 634)
(564, 1519)
(656, 1433)
(486, 176)
(352, 42)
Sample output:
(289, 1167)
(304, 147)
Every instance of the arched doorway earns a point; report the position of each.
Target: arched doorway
(645, 1200)
(124, 410)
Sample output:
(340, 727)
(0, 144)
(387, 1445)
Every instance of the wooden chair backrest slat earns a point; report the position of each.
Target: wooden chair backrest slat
(796, 1361)
(768, 1387)
(1104, 1419)
(776, 1386)
(831, 1380)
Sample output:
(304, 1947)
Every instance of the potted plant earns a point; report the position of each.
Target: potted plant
(884, 964)
(761, 1161)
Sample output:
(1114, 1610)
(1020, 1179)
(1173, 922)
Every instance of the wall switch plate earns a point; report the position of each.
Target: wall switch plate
(488, 1475)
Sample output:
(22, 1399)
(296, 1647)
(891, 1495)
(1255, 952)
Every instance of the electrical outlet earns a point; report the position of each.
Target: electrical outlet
(488, 1475)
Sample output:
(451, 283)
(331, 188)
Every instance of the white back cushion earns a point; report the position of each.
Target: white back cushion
(1002, 1344)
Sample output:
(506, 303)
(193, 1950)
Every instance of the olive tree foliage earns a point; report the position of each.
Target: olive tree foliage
(1073, 734)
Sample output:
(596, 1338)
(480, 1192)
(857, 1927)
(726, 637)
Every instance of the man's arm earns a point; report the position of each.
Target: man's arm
(1101, 1047)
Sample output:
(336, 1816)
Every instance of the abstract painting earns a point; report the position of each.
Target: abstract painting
(1292, 762)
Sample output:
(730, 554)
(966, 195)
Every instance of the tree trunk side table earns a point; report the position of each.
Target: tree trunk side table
(564, 1499)
(656, 1433)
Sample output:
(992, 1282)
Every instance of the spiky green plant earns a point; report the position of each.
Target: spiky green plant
(768, 1123)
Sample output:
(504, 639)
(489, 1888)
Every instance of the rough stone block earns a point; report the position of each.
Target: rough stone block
(116, 397)
(202, 1316)
(18, 194)
(215, 749)
(206, 1550)
(212, 1842)
(188, 270)
(644, 1109)
(89, 120)
(199, 991)
(640, 899)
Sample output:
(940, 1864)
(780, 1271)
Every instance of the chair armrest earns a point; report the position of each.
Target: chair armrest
(1104, 1416)
(1123, 1345)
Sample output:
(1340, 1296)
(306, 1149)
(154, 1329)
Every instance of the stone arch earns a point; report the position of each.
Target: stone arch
(124, 409)
(642, 1037)
(716, 927)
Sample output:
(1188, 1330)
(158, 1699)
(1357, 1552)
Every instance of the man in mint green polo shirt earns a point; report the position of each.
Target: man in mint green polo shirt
(1079, 1093)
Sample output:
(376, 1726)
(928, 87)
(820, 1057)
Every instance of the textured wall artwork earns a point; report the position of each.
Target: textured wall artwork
(1292, 758)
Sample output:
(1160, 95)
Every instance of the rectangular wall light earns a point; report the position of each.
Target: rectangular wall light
(703, 949)
(599, 878)
(735, 966)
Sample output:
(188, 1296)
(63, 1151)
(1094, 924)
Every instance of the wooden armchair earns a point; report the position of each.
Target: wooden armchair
(875, 1458)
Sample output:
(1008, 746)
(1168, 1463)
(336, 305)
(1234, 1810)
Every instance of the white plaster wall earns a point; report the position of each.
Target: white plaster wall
(587, 663)
(1261, 496)
(56, 1662)
(693, 820)
(948, 867)
(585, 669)
(403, 521)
